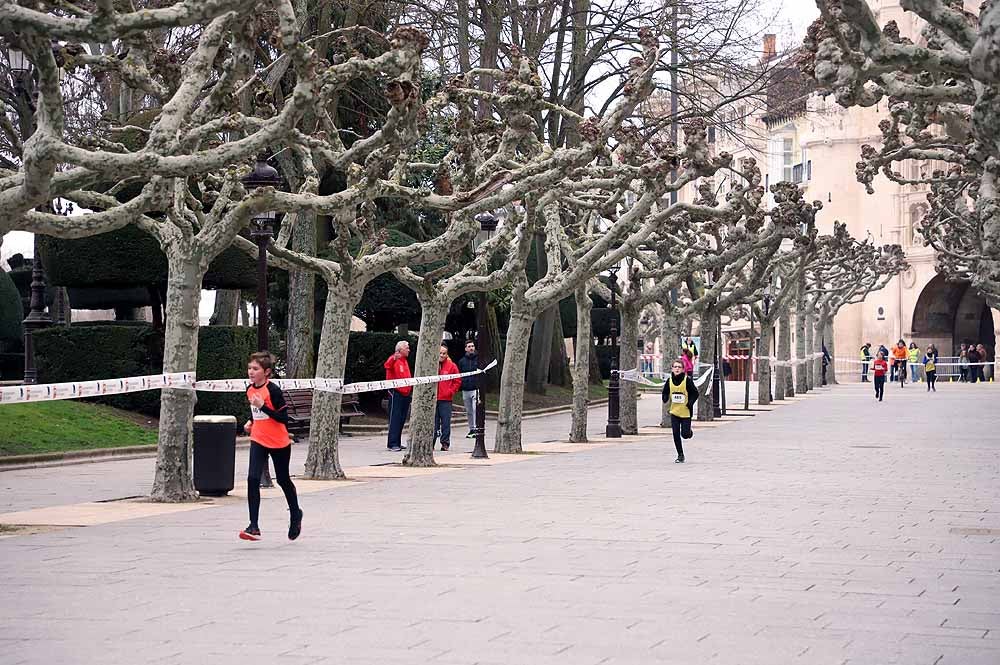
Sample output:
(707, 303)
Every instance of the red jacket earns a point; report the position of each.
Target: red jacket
(448, 388)
(398, 368)
(880, 366)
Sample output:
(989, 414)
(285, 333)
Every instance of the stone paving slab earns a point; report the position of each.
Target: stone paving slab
(823, 532)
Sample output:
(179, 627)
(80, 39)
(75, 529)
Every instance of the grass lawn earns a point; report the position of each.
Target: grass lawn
(59, 426)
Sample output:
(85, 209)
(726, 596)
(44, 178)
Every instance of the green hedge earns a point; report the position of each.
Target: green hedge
(108, 350)
(129, 257)
(11, 314)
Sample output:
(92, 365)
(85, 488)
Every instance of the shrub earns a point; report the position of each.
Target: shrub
(11, 314)
(134, 348)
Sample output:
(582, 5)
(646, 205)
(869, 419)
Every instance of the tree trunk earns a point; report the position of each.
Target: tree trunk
(227, 308)
(540, 350)
(763, 364)
(558, 363)
(581, 366)
(322, 460)
(670, 348)
(801, 381)
(831, 371)
(784, 377)
(709, 326)
(173, 479)
(300, 361)
(817, 336)
(628, 357)
(810, 340)
(244, 313)
(490, 349)
(508, 438)
(427, 363)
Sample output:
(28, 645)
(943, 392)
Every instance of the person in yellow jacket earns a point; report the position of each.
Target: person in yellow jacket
(914, 357)
(680, 392)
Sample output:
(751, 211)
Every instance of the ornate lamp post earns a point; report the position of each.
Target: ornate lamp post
(38, 318)
(614, 428)
(768, 297)
(487, 225)
(262, 231)
(716, 381)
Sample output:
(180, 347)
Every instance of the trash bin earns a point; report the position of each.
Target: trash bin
(214, 454)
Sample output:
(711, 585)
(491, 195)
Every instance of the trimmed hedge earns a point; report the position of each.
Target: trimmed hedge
(134, 348)
(129, 257)
(11, 314)
(367, 353)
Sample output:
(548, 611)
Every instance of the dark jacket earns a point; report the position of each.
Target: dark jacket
(692, 390)
(469, 363)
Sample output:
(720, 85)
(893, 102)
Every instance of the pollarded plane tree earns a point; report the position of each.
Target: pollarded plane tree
(187, 167)
(942, 97)
(844, 271)
(468, 180)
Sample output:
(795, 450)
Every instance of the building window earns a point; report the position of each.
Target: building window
(797, 173)
(786, 160)
(809, 170)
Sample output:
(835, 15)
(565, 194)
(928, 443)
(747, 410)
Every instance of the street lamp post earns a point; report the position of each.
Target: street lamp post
(38, 318)
(614, 428)
(716, 381)
(767, 320)
(749, 367)
(262, 231)
(487, 225)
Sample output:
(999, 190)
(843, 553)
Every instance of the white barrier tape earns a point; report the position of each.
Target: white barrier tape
(241, 385)
(75, 389)
(919, 362)
(370, 386)
(636, 377)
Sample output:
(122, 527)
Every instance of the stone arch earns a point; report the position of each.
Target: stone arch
(948, 314)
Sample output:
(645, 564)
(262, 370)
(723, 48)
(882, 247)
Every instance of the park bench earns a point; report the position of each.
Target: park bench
(299, 403)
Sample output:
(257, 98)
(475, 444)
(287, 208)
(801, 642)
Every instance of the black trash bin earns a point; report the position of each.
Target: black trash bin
(214, 454)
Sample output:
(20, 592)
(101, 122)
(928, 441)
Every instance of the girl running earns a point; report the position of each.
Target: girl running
(680, 391)
(268, 436)
(880, 367)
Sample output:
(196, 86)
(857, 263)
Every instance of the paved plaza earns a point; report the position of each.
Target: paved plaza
(831, 529)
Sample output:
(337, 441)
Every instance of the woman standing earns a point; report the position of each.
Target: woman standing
(963, 365)
(913, 356)
(930, 367)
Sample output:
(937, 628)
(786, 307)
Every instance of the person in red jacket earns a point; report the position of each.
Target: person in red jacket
(396, 367)
(446, 391)
(880, 367)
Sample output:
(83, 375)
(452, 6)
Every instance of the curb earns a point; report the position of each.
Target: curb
(33, 461)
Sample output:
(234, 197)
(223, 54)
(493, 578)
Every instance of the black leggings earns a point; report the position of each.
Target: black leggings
(879, 386)
(681, 427)
(931, 379)
(258, 462)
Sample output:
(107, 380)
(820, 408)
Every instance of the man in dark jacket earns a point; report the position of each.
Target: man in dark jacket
(469, 363)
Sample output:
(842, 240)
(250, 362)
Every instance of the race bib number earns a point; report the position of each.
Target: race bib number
(256, 413)
(678, 398)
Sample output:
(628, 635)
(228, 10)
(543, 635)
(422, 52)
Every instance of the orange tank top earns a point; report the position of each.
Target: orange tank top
(266, 431)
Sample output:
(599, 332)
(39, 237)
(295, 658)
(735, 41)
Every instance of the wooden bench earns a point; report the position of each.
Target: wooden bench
(299, 402)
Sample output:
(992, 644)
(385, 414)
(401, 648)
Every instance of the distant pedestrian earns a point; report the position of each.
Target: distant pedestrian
(879, 369)
(913, 357)
(680, 392)
(826, 361)
(396, 367)
(899, 357)
(470, 384)
(963, 365)
(687, 360)
(268, 432)
(930, 367)
(445, 393)
(984, 359)
(974, 360)
(866, 358)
